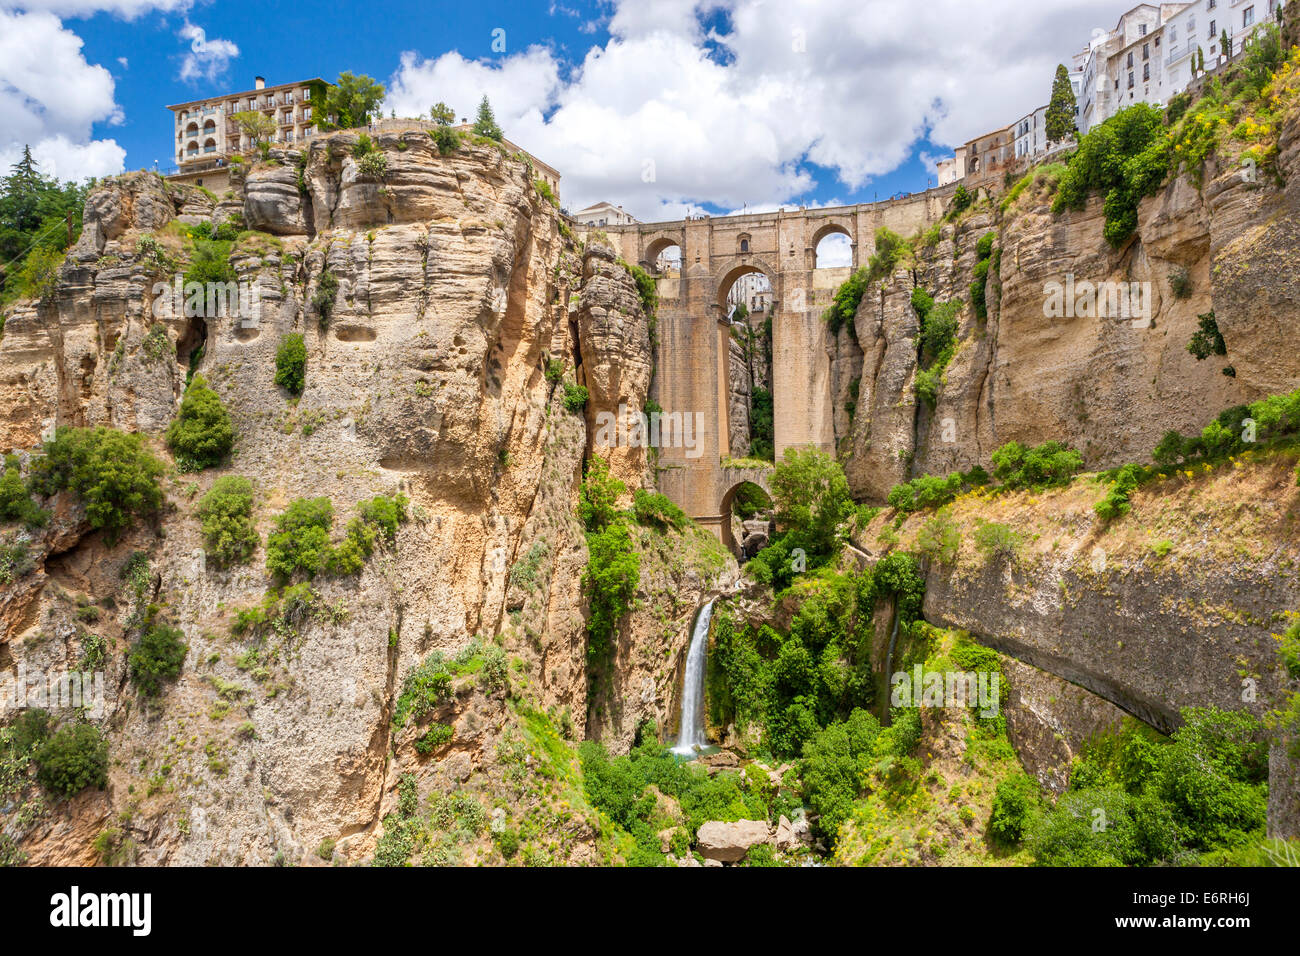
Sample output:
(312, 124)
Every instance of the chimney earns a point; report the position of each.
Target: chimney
(259, 82)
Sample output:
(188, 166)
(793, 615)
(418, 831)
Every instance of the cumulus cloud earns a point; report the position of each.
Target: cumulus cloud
(127, 9)
(50, 98)
(668, 114)
(207, 59)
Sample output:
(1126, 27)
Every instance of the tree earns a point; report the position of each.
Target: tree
(1225, 44)
(811, 496)
(201, 436)
(352, 100)
(1061, 109)
(485, 124)
(35, 212)
(442, 114)
(258, 127)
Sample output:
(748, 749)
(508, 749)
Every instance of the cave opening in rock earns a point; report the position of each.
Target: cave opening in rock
(192, 344)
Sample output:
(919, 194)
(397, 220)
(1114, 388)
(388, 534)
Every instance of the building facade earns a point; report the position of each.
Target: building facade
(603, 214)
(207, 132)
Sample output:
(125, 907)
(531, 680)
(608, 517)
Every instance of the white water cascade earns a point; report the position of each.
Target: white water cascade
(692, 730)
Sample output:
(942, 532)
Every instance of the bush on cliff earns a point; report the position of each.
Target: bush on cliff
(201, 436)
(291, 363)
(113, 473)
(156, 657)
(226, 516)
(73, 759)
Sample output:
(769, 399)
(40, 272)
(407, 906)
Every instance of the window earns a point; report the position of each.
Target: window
(1142, 29)
(1146, 51)
(1146, 72)
(744, 245)
(1130, 81)
(1247, 17)
(1130, 59)
(1213, 30)
(306, 92)
(1210, 5)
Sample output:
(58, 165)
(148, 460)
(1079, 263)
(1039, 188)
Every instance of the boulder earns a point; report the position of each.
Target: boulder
(729, 842)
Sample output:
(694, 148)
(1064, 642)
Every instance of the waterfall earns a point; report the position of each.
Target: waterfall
(692, 729)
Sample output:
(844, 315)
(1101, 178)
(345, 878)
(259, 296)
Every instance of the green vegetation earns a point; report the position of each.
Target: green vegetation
(1207, 340)
(575, 397)
(156, 657)
(35, 211)
(485, 122)
(210, 261)
(327, 290)
(113, 474)
(226, 514)
(1136, 799)
(762, 424)
(811, 496)
(201, 436)
(1062, 107)
(430, 683)
(620, 788)
(16, 502)
(750, 500)
(655, 510)
(613, 565)
(937, 342)
(445, 139)
(74, 758)
(1043, 466)
(1130, 155)
(291, 363)
(348, 103)
(931, 491)
(986, 263)
(300, 542)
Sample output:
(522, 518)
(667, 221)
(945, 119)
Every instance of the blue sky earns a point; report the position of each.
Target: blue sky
(732, 103)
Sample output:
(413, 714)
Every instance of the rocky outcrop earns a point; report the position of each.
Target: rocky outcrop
(1108, 386)
(426, 376)
(729, 842)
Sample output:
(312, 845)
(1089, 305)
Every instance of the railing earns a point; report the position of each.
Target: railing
(1179, 52)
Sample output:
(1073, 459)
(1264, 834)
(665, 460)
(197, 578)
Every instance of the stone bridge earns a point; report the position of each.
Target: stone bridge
(693, 332)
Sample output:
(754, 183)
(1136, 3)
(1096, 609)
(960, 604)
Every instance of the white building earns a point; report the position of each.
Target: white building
(1031, 133)
(603, 214)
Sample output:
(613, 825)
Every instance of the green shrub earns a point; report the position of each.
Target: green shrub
(1050, 463)
(654, 509)
(610, 582)
(832, 766)
(940, 539)
(16, 502)
(73, 759)
(575, 397)
(291, 363)
(1207, 340)
(996, 540)
(1116, 502)
(433, 738)
(445, 139)
(157, 656)
(554, 371)
(301, 539)
(1180, 283)
(327, 290)
(225, 513)
(425, 687)
(598, 496)
(1013, 802)
(962, 198)
(811, 494)
(210, 262)
(113, 474)
(372, 165)
(201, 436)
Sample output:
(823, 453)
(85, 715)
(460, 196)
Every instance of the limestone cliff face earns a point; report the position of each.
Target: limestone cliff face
(1175, 605)
(426, 376)
(1108, 386)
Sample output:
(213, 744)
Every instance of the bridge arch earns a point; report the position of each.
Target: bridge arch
(737, 268)
(832, 228)
(733, 480)
(656, 244)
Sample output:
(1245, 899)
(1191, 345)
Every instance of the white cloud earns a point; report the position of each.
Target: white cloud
(50, 97)
(122, 62)
(656, 120)
(127, 9)
(207, 59)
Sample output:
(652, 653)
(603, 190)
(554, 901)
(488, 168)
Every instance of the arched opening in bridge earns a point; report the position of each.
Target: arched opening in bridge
(746, 519)
(834, 249)
(664, 258)
(747, 302)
